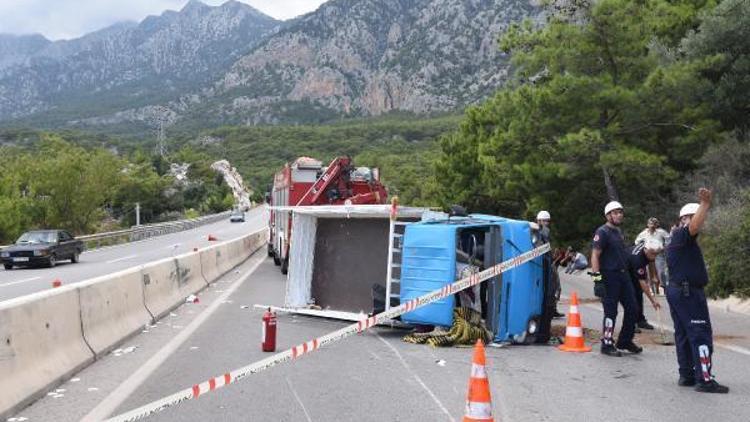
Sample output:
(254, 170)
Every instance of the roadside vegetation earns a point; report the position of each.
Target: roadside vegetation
(616, 99)
(52, 183)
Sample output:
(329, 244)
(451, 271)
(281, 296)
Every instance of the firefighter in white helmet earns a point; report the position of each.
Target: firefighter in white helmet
(687, 301)
(609, 271)
(543, 219)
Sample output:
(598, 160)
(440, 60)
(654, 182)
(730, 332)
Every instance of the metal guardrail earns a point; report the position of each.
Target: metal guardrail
(136, 233)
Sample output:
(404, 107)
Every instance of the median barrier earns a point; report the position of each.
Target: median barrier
(168, 282)
(41, 344)
(112, 309)
(46, 337)
(211, 260)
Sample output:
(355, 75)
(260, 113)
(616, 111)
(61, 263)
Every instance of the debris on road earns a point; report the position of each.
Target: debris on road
(467, 329)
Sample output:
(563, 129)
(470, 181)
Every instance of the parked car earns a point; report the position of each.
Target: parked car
(237, 216)
(41, 247)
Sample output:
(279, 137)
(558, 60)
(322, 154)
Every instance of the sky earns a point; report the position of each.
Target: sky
(66, 19)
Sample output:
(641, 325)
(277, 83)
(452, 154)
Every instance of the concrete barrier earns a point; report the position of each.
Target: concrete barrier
(41, 344)
(112, 309)
(43, 337)
(211, 262)
(168, 282)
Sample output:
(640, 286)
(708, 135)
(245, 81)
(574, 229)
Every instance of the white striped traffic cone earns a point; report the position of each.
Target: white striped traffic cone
(478, 401)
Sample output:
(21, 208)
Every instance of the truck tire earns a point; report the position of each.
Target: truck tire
(285, 266)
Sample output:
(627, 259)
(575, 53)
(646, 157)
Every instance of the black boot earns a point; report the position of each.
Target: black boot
(610, 350)
(630, 347)
(686, 381)
(645, 325)
(711, 387)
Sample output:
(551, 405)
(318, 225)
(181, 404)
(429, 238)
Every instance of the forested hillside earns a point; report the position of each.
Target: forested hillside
(638, 101)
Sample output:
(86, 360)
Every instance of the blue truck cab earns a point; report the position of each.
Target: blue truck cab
(517, 305)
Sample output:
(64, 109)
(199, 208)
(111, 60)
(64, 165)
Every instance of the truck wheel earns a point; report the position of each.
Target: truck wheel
(285, 266)
(276, 259)
(8, 266)
(75, 258)
(52, 261)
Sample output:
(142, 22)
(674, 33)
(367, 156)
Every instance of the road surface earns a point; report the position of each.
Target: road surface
(377, 377)
(24, 281)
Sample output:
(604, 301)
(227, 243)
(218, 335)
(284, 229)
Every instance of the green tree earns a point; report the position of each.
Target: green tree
(72, 184)
(721, 47)
(591, 116)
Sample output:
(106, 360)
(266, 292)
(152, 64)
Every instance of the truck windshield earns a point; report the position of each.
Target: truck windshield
(37, 237)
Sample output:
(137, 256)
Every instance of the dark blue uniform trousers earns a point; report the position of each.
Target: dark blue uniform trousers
(619, 289)
(692, 332)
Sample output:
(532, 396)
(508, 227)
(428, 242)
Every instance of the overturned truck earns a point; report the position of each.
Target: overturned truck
(352, 261)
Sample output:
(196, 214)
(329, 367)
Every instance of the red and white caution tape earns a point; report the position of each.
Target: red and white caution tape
(295, 352)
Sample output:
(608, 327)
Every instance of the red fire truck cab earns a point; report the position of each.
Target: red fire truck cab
(307, 182)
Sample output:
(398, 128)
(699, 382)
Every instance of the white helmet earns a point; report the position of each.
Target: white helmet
(689, 209)
(613, 205)
(543, 215)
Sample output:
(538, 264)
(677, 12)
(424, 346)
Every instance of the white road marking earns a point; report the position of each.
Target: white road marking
(20, 281)
(124, 390)
(296, 396)
(416, 377)
(121, 259)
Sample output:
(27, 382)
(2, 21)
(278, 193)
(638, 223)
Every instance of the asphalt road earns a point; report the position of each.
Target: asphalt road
(377, 377)
(23, 281)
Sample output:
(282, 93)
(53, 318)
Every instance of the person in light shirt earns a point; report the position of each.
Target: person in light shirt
(655, 235)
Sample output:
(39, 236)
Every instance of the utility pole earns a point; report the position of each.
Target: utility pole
(137, 214)
(161, 139)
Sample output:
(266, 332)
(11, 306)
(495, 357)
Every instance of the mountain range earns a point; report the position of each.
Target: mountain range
(232, 64)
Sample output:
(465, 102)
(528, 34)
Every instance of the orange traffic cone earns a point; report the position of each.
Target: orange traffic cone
(212, 238)
(56, 283)
(478, 401)
(574, 331)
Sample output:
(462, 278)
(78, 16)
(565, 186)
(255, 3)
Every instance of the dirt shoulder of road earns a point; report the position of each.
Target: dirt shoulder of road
(730, 304)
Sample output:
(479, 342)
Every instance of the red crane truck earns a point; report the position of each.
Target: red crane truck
(306, 182)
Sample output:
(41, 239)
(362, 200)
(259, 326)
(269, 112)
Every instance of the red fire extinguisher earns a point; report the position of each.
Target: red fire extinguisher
(269, 331)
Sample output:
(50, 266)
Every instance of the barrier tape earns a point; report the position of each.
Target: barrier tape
(295, 352)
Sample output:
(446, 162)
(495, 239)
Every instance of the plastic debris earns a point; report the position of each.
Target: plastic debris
(93, 389)
(60, 390)
(172, 314)
(75, 379)
(193, 347)
(192, 299)
(244, 306)
(440, 362)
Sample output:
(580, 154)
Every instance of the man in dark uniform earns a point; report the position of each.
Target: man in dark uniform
(687, 301)
(543, 219)
(609, 267)
(642, 259)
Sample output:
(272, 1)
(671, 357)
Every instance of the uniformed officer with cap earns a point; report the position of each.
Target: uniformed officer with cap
(609, 267)
(687, 301)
